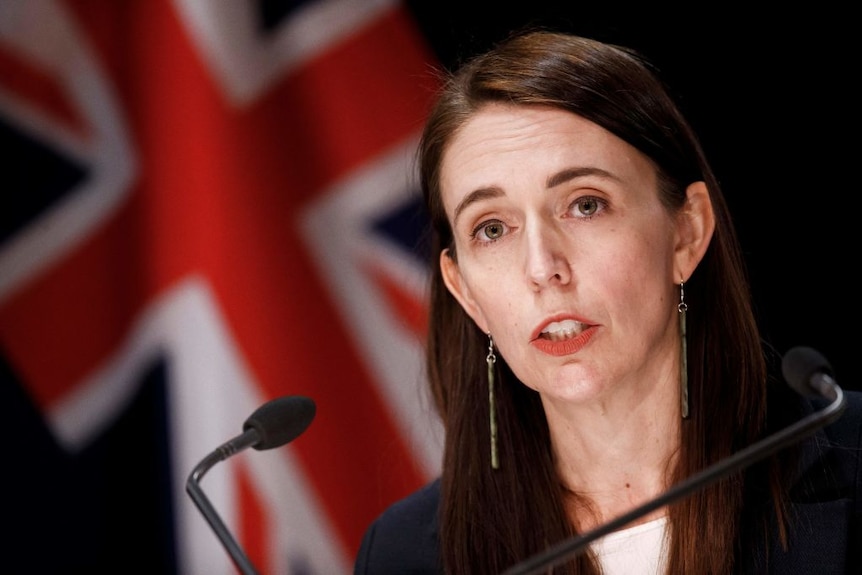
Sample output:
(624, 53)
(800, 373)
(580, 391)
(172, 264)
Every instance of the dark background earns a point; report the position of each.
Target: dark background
(770, 95)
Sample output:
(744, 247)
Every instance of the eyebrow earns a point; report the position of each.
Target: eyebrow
(554, 180)
(570, 174)
(475, 196)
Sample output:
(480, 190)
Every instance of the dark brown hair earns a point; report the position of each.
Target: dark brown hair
(491, 519)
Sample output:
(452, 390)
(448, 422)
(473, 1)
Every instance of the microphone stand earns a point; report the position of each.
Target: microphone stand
(275, 423)
(247, 439)
(723, 468)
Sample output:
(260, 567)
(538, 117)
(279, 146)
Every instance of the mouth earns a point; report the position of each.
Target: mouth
(562, 330)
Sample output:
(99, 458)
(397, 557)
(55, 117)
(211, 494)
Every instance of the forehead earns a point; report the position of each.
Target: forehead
(503, 145)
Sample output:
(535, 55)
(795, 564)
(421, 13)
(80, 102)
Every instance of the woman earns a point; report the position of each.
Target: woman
(592, 340)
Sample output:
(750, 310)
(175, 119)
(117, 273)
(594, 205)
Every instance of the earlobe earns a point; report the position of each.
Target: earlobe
(695, 226)
(460, 291)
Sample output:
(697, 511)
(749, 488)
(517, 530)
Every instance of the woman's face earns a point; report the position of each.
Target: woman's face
(564, 252)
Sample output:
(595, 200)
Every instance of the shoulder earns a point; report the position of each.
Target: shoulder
(824, 509)
(403, 539)
(826, 500)
(845, 443)
(847, 430)
(837, 446)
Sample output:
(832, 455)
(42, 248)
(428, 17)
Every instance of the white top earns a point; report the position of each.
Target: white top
(638, 550)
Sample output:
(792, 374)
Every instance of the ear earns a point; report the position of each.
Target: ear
(460, 290)
(695, 225)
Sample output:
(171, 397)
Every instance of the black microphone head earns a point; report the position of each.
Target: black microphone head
(281, 420)
(800, 364)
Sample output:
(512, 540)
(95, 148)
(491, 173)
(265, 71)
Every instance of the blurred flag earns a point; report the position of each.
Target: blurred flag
(208, 205)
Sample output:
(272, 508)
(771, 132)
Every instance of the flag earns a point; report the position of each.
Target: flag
(209, 205)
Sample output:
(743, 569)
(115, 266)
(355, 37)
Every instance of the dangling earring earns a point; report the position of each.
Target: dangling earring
(683, 358)
(491, 359)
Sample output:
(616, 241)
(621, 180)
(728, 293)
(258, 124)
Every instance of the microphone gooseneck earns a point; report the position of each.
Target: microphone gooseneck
(275, 423)
(805, 370)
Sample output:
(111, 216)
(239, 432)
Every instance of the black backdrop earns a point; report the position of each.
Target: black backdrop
(770, 96)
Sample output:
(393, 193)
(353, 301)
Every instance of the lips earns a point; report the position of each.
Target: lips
(563, 336)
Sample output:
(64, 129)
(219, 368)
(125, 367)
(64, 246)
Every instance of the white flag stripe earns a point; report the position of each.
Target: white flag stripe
(245, 62)
(396, 359)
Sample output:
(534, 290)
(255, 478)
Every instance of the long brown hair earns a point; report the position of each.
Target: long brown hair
(491, 519)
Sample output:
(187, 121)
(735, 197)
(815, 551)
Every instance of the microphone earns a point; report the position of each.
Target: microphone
(805, 370)
(273, 424)
(809, 373)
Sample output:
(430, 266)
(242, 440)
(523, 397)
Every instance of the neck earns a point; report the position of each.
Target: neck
(615, 457)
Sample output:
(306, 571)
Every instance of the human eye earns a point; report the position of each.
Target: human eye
(587, 207)
(488, 231)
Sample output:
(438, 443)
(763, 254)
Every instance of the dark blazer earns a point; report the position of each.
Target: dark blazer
(825, 536)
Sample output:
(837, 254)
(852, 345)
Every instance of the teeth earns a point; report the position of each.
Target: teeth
(560, 330)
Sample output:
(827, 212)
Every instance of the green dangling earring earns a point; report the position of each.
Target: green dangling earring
(491, 359)
(683, 358)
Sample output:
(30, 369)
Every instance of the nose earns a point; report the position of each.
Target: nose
(547, 262)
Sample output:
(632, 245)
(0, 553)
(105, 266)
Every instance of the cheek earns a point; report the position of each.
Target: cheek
(638, 276)
(481, 274)
(647, 250)
(488, 293)
(496, 298)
